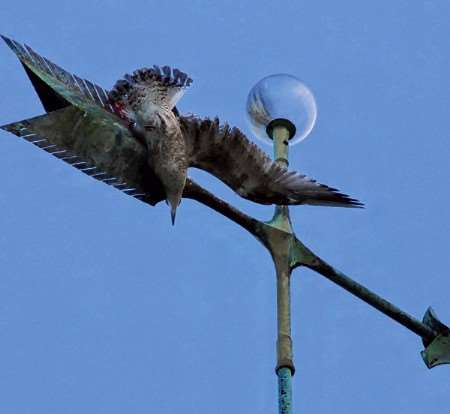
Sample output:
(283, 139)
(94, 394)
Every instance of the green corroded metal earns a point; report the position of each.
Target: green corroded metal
(61, 88)
(97, 138)
(320, 266)
(110, 145)
(437, 349)
(278, 237)
(280, 247)
(284, 391)
(87, 130)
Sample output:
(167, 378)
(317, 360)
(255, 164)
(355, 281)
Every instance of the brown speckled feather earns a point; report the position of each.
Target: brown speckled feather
(148, 90)
(228, 154)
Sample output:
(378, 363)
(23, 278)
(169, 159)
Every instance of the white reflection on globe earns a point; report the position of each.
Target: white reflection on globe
(281, 96)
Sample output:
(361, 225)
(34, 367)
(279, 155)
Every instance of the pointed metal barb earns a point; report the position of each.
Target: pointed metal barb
(110, 180)
(99, 175)
(130, 191)
(48, 147)
(57, 153)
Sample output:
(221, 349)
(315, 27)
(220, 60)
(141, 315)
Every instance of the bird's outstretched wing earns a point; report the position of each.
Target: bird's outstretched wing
(227, 153)
(147, 90)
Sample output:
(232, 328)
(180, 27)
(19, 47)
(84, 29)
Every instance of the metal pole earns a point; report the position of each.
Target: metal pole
(284, 391)
(280, 254)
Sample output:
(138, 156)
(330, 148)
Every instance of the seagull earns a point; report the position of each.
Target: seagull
(145, 102)
(147, 99)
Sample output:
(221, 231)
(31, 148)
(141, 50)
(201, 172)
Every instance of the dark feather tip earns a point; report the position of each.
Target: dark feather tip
(166, 75)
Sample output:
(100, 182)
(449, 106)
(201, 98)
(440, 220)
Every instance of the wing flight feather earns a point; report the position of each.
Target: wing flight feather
(228, 154)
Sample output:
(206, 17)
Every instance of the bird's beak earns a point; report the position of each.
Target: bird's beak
(173, 203)
(173, 213)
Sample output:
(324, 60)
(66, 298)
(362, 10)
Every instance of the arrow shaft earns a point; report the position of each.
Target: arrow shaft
(371, 298)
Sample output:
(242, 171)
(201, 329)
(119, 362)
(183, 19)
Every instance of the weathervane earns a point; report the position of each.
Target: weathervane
(134, 139)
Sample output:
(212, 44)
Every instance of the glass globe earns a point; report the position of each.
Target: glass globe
(284, 98)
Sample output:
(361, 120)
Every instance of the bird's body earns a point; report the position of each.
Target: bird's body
(168, 159)
(146, 99)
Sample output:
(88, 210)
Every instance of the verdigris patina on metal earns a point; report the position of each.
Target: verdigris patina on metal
(80, 129)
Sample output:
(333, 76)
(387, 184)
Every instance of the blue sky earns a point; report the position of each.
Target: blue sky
(104, 307)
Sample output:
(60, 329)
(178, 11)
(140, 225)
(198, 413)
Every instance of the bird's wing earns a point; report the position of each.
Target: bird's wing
(147, 90)
(227, 153)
